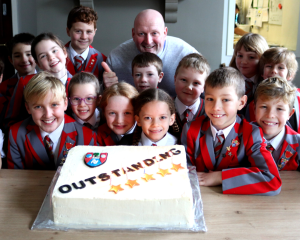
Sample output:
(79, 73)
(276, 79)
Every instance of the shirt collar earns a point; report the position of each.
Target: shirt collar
(94, 120)
(277, 141)
(55, 135)
(147, 142)
(252, 79)
(128, 132)
(64, 78)
(181, 107)
(73, 53)
(225, 131)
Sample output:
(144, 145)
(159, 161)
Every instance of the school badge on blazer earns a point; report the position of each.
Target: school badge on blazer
(95, 159)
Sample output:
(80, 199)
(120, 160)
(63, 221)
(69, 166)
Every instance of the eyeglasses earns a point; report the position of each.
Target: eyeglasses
(87, 100)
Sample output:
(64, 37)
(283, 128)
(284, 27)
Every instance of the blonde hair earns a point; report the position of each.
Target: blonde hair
(225, 77)
(276, 87)
(119, 89)
(83, 78)
(40, 85)
(251, 42)
(278, 55)
(195, 61)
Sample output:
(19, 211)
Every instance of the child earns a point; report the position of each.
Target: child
(247, 53)
(190, 77)
(242, 164)
(274, 99)
(81, 28)
(84, 90)
(43, 140)
(146, 71)
(154, 112)
(116, 104)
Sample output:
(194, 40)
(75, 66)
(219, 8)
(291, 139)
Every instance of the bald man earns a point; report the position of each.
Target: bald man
(149, 34)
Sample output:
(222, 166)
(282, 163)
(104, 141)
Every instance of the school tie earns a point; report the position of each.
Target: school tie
(49, 147)
(153, 144)
(186, 116)
(78, 62)
(270, 148)
(218, 144)
(88, 125)
(249, 88)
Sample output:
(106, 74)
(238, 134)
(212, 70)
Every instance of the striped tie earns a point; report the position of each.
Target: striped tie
(218, 144)
(186, 116)
(270, 148)
(49, 147)
(153, 144)
(88, 125)
(78, 62)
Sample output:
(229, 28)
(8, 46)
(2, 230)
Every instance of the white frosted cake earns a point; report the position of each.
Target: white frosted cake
(132, 187)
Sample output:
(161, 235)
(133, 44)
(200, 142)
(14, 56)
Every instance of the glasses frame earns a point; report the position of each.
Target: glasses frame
(82, 99)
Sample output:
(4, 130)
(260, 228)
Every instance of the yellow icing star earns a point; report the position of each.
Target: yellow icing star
(176, 167)
(163, 172)
(228, 148)
(132, 183)
(116, 189)
(148, 177)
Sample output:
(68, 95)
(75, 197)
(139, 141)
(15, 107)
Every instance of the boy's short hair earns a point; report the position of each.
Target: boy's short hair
(279, 55)
(82, 14)
(146, 59)
(40, 84)
(276, 87)
(25, 38)
(226, 77)
(45, 36)
(83, 78)
(195, 61)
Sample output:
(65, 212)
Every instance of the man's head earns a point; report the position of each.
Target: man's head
(149, 32)
(45, 99)
(146, 71)
(274, 100)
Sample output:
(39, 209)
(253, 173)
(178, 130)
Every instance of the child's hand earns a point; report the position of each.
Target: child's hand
(210, 179)
(109, 77)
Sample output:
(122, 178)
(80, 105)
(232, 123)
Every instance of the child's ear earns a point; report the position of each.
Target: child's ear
(99, 100)
(10, 60)
(289, 77)
(160, 77)
(243, 101)
(172, 119)
(68, 31)
(137, 119)
(292, 112)
(65, 104)
(27, 108)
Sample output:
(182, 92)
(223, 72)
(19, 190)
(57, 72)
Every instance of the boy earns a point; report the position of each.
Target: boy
(81, 28)
(146, 71)
(43, 140)
(190, 76)
(84, 92)
(274, 99)
(226, 149)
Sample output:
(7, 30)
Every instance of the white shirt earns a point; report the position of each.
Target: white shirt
(1, 144)
(73, 53)
(225, 131)
(64, 78)
(276, 143)
(55, 137)
(128, 132)
(167, 140)
(94, 120)
(180, 107)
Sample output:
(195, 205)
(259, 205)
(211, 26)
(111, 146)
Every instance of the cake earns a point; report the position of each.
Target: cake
(124, 187)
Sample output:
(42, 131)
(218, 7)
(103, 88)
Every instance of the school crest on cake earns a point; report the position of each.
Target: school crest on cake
(94, 159)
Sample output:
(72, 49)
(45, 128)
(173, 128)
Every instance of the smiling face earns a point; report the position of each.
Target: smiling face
(271, 115)
(278, 69)
(51, 58)
(22, 59)
(222, 104)
(149, 32)
(155, 118)
(119, 114)
(189, 84)
(146, 77)
(82, 35)
(83, 110)
(247, 62)
(47, 113)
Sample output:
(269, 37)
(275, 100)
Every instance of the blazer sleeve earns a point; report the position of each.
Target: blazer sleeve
(14, 158)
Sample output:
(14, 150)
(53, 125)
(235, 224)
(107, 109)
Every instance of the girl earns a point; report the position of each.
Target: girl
(116, 104)
(84, 92)
(247, 53)
(50, 55)
(154, 112)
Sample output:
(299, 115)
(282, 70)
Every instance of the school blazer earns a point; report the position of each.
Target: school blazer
(247, 166)
(92, 63)
(106, 137)
(26, 149)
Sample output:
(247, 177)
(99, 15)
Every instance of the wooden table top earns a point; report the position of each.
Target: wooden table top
(227, 217)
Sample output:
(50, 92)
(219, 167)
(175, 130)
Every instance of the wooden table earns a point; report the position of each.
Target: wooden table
(227, 216)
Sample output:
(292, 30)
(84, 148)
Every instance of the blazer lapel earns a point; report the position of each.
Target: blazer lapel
(66, 143)
(286, 153)
(207, 149)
